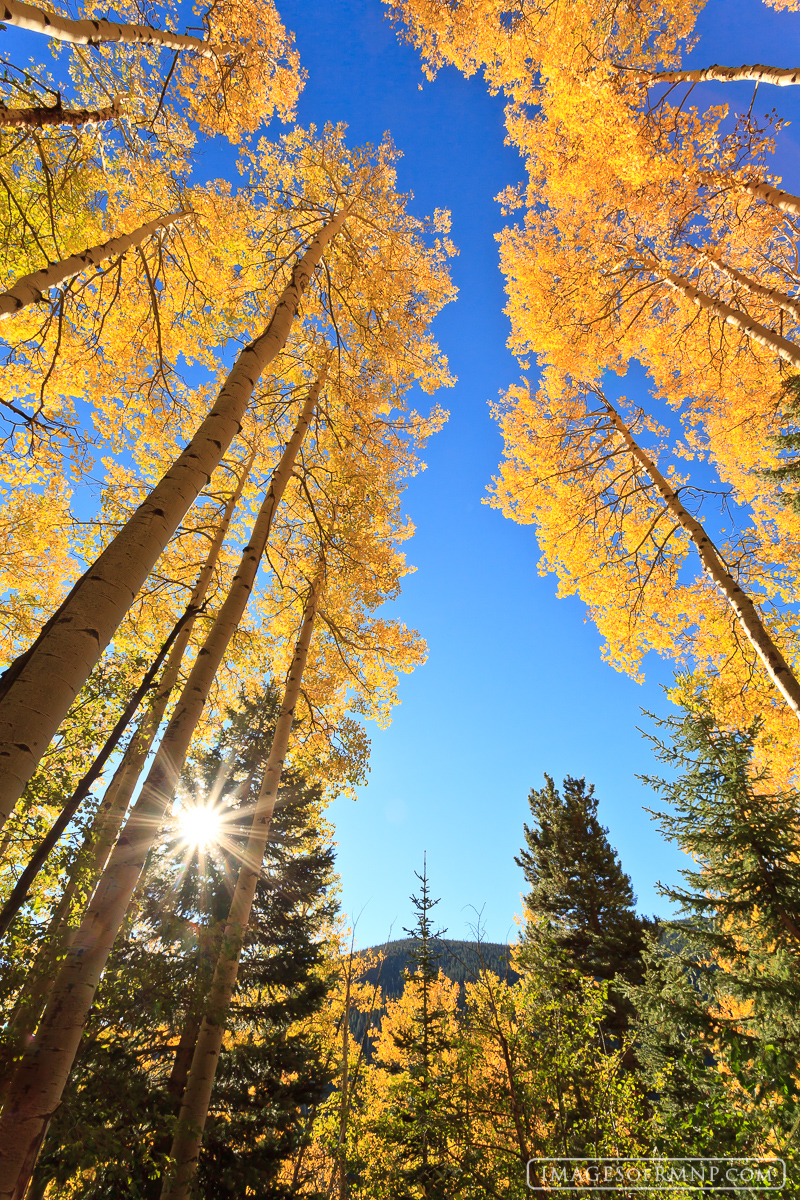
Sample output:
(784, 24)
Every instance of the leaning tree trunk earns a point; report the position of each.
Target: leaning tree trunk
(38, 689)
(757, 73)
(785, 201)
(39, 1082)
(754, 330)
(125, 777)
(30, 289)
(197, 1093)
(772, 295)
(95, 32)
(100, 838)
(120, 789)
(41, 116)
(743, 608)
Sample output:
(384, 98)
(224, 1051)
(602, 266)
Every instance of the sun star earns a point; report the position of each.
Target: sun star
(200, 826)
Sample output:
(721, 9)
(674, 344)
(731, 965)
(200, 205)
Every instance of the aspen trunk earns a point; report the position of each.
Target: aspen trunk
(757, 73)
(785, 201)
(121, 787)
(139, 747)
(96, 32)
(773, 295)
(39, 1082)
(40, 855)
(30, 289)
(40, 116)
(38, 689)
(197, 1094)
(754, 330)
(743, 608)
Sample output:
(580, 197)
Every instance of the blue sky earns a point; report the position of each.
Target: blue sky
(514, 685)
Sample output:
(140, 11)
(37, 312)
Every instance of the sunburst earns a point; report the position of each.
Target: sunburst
(200, 826)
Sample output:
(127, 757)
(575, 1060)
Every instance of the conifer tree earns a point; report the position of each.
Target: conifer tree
(718, 1011)
(112, 1131)
(789, 443)
(420, 1125)
(581, 904)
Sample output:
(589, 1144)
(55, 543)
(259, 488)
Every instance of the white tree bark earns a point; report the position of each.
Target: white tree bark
(757, 73)
(38, 689)
(30, 289)
(119, 791)
(754, 330)
(785, 201)
(773, 295)
(740, 603)
(197, 1093)
(96, 32)
(39, 1082)
(111, 813)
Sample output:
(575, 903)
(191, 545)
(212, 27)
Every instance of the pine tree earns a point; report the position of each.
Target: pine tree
(789, 443)
(581, 904)
(420, 1123)
(718, 1010)
(113, 1130)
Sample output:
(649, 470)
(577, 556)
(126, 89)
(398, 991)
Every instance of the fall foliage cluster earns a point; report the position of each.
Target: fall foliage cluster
(227, 369)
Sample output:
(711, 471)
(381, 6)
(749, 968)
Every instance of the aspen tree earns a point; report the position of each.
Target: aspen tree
(121, 788)
(582, 476)
(785, 201)
(41, 116)
(92, 32)
(770, 655)
(758, 73)
(30, 289)
(345, 516)
(731, 316)
(38, 689)
(197, 1093)
(115, 803)
(772, 295)
(42, 1074)
(233, 80)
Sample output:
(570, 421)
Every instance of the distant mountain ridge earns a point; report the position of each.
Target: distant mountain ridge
(460, 961)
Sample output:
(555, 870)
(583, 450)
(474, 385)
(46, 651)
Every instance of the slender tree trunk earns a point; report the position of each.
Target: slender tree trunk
(40, 116)
(757, 73)
(754, 330)
(96, 32)
(176, 1084)
(197, 1095)
(120, 790)
(38, 689)
(30, 289)
(39, 1082)
(743, 608)
(40, 855)
(124, 780)
(773, 295)
(785, 201)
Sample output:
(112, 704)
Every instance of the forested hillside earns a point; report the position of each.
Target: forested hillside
(461, 962)
(221, 369)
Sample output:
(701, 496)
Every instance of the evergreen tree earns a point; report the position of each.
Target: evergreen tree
(420, 1124)
(114, 1129)
(719, 1010)
(788, 443)
(580, 906)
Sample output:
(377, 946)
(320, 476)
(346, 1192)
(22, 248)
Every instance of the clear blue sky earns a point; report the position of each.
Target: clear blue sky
(514, 685)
